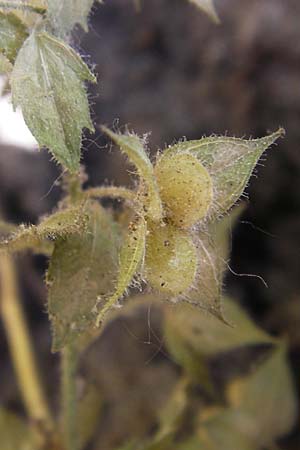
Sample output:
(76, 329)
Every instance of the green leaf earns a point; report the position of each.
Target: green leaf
(267, 398)
(59, 225)
(230, 162)
(130, 261)
(223, 432)
(13, 33)
(193, 337)
(208, 7)
(47, 83)
(81, 269)
(5, 65)
(134, 148)
(65, 14)
(15, 434)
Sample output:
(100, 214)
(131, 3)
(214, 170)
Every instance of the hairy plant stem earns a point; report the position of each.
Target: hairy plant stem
(69, 403)
(25, 6)
(69, 354)
(112, 192)
(20, 346)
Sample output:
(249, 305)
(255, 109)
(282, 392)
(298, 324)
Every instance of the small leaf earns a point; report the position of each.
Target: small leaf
(65, 14)
(47, 82)
(223, 432)
(208, 7)
(5, 65)
(134, 148)
(263, 394)
(192, 336)
(230, 163)
(130, 262)
(15, 434)
(80, 270)
(58, 225)
(13, 33)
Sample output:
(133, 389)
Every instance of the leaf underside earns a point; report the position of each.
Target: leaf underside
(47, 83)
(81, 269)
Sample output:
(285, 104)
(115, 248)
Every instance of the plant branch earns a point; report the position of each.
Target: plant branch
(20, 346)
(25, 6)
(69, 403)
(112, 192)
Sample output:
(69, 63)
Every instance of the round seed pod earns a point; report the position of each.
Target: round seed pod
(171, 259)
(185, 188)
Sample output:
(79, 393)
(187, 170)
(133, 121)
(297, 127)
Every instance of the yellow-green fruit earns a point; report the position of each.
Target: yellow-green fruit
(185, 188)
(171, 259)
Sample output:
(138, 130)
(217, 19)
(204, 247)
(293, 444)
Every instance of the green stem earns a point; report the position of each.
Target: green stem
(26, 6)
(20, 346)
(69, 403)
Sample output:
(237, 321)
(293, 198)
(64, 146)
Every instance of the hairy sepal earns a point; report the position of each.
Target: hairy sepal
(39, 237)
(213, 244)
(230, 163)
(81, 269)
(47, 83)
(130, 263)
(134, 148)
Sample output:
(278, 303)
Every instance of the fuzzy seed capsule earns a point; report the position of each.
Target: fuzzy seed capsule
(171, 260)
(185, 188)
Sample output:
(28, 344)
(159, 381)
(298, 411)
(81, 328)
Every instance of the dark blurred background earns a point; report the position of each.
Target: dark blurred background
(169, 71)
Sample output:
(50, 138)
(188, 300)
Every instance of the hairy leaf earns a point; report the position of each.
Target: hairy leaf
(193, 337)
(81, 269)
(13, 33)
(230, 163)
(47, 82)
(130, 261)
(15, 434)
(208, 7)
(58, 225)
(65, 14)
(134, 148)
(267, 398)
